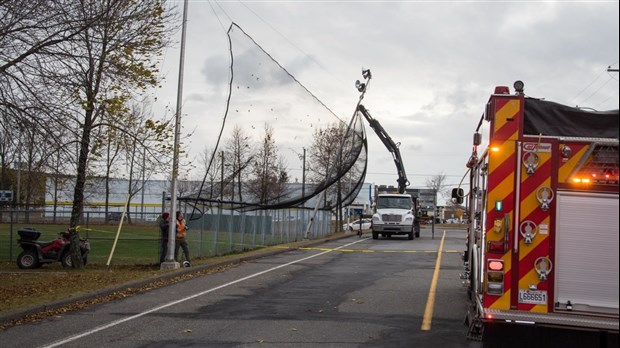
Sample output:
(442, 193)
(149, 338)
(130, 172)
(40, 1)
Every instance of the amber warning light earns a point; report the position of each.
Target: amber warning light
(606, 178)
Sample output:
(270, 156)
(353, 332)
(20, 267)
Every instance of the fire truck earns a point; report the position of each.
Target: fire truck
(541, 258)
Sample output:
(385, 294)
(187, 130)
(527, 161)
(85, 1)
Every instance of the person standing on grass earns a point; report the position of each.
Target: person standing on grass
(164, 224)
(180, 239)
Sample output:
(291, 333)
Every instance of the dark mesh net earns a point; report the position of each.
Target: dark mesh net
(279, 145)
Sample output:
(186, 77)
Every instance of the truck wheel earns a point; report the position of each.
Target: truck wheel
(28, 260)
(410, 235)
(375, 235)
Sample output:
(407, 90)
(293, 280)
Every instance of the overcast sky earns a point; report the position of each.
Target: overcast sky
(434, 65)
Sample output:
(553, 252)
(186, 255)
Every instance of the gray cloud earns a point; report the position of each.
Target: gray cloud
(434, 65)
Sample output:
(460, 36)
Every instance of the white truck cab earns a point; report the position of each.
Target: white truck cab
(394, 215)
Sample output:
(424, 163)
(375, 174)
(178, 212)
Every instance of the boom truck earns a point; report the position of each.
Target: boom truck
(394, 213)
(541, 260)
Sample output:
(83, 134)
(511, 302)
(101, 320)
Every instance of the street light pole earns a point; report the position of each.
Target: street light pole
(434, 209)
(170, 262)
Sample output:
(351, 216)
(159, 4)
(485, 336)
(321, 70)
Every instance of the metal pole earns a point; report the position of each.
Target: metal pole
(19, 168)
(434, 210)
(143, 181)
(170, 262)
(303, 179)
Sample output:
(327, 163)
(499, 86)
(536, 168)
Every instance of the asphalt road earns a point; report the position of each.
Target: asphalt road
(351, 292)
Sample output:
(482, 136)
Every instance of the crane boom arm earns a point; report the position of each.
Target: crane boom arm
(403, 182)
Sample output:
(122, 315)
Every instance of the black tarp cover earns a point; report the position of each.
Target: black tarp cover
(547, 118)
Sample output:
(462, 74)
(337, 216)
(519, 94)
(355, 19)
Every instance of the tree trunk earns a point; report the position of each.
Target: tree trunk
(80, 183)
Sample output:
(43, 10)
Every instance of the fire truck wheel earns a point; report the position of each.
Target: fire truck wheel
(410, 235)
(375, 235)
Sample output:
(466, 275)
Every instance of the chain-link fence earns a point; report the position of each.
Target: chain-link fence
(219, 232)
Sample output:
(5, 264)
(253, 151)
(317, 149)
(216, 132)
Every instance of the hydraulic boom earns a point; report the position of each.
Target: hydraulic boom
(403, 182)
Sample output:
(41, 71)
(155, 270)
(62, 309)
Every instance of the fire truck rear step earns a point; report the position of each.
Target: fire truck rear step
(583, 321)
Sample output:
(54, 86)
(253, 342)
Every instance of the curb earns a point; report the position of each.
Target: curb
(6, 318)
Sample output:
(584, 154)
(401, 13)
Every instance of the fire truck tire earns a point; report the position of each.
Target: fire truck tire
(375, 235)
(410, 235)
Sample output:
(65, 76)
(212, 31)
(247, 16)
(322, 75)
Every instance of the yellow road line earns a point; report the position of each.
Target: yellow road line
(430, 302)
(372, 251)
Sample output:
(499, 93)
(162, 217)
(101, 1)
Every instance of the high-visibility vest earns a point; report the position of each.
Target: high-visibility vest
(181, 229)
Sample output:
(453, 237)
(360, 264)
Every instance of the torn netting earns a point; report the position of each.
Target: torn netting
(274, 129)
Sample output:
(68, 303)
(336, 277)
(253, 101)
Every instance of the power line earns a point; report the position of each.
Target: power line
(606, 70)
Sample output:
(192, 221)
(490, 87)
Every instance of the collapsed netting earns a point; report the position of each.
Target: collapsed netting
(273, 131)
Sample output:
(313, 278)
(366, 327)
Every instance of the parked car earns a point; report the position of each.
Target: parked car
(150, 217)
(115, 216)
(355, 225)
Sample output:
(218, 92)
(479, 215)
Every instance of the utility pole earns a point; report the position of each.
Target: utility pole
(170, 262)
(303, 178)
(222, 177)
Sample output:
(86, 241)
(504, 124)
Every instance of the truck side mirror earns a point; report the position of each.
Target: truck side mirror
(457, 194)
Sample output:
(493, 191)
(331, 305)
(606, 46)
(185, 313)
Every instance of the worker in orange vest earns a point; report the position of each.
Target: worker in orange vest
(180, 239)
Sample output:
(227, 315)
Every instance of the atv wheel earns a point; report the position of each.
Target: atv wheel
(28, 260)
(66, 261)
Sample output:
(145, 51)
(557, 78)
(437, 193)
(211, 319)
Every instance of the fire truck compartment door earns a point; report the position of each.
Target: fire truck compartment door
(586, 266)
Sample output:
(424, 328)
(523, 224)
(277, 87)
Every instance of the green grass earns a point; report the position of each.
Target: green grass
(139, 244)
(135, 244)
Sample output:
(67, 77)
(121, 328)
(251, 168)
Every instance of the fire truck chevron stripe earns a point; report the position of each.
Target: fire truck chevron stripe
(506, 120)
(530, 202)
(504, 166)
(567, 168)
(502, 190)
(506, 132)
(539, 245)
(501, 186)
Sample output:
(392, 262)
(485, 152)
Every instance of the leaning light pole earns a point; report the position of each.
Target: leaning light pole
(170, 262)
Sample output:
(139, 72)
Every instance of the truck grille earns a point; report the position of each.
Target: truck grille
(391, 217)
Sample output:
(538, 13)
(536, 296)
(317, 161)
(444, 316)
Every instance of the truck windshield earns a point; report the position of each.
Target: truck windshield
(393, 203)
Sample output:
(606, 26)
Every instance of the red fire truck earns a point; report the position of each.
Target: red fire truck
(542, 245)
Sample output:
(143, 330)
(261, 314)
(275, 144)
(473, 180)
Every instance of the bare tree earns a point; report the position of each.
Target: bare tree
(238, 158)
(97, 70)
(145, 147)
(436, 183)
(326, 162)
(211, 165)
(268, 174)
(63, 63)
(35, 28)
